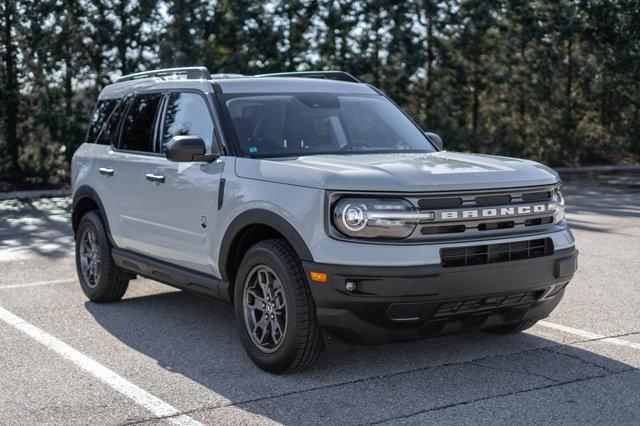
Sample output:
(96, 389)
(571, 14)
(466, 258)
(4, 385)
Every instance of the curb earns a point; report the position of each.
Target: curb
(602, 169)
(35, 194)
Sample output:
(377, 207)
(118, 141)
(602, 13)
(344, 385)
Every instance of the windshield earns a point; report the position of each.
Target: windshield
(305, 124)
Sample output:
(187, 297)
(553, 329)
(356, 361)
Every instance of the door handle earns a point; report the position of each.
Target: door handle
(106, 171)
(155, 178)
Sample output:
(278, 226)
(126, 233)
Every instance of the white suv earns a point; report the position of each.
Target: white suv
(317, 207)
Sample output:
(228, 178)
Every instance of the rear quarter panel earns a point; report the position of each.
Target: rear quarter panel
(84, 173)
(83, 165)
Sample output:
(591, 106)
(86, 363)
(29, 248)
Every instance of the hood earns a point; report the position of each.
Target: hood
(409, 172)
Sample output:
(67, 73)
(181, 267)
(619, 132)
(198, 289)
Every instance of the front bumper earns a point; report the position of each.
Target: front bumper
(409, 302)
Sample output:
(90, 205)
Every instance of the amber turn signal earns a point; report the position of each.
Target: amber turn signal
(318, 277)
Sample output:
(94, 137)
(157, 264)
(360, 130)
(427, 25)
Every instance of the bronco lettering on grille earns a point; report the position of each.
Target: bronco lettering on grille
(495, 212)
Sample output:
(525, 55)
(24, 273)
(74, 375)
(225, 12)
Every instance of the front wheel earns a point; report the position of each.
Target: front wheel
(274, 309)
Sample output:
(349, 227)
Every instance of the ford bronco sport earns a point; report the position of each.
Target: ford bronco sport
(317, 207)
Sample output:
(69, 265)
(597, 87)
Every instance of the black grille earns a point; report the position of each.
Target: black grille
(482, 200)
(496, 225)
(439, 203)
(539, 221)
(536, 196)
(405, 311)
(474, 224)
(494, 253)
(493, 200)
(444, 229)
(474, 305)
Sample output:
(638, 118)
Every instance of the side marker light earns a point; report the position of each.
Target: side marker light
(318, 277)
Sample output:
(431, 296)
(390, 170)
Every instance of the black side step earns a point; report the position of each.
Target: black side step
(172, 275)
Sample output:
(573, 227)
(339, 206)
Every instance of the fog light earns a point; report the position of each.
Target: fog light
(350, 286)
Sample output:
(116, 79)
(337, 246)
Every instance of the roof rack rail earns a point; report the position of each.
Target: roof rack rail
(329, 75)
(192, 73)
(223, 76)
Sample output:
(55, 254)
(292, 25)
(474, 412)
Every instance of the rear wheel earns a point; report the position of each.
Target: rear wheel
(512, 328)
(101, 280)
(274, 309)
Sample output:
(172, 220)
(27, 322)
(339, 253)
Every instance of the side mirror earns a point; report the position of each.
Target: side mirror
(188, 148)
(435, 138)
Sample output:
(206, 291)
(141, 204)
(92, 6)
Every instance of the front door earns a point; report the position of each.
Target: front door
(180, 200)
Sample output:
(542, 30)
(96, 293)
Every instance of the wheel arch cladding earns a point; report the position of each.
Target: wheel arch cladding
(86, 199)
(247, 229)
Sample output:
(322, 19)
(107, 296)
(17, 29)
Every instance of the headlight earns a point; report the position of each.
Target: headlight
(377, 218)
(558, 197)
(353, 217)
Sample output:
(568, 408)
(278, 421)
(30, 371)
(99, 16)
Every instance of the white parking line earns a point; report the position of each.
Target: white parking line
(589, 335)
(37, 283)
(140, 396)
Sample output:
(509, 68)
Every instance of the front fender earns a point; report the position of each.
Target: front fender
(294, 211)
(260, 217)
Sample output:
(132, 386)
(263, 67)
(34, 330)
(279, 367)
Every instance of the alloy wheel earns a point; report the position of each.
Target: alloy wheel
(90, 260)
(265, 308)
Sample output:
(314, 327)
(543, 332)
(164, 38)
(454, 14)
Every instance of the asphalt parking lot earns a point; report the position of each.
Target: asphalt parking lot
(165, 356)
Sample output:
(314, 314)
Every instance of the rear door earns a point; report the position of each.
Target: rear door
(122, 168)
(180, 200)
(117, 196)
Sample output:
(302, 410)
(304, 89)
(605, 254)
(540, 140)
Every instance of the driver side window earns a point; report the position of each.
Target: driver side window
(187, 114)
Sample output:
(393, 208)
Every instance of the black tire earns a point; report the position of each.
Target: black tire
(301, 342)
(112, 282)
(516, 327)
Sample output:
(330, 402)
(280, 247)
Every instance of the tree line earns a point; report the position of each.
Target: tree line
(552, 80)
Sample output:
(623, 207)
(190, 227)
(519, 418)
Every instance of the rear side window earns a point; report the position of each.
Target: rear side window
(99, 119)
(187, 114)
(137, 126)
(109, 130)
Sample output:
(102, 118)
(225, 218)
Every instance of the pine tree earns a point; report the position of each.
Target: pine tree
(10, 88)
